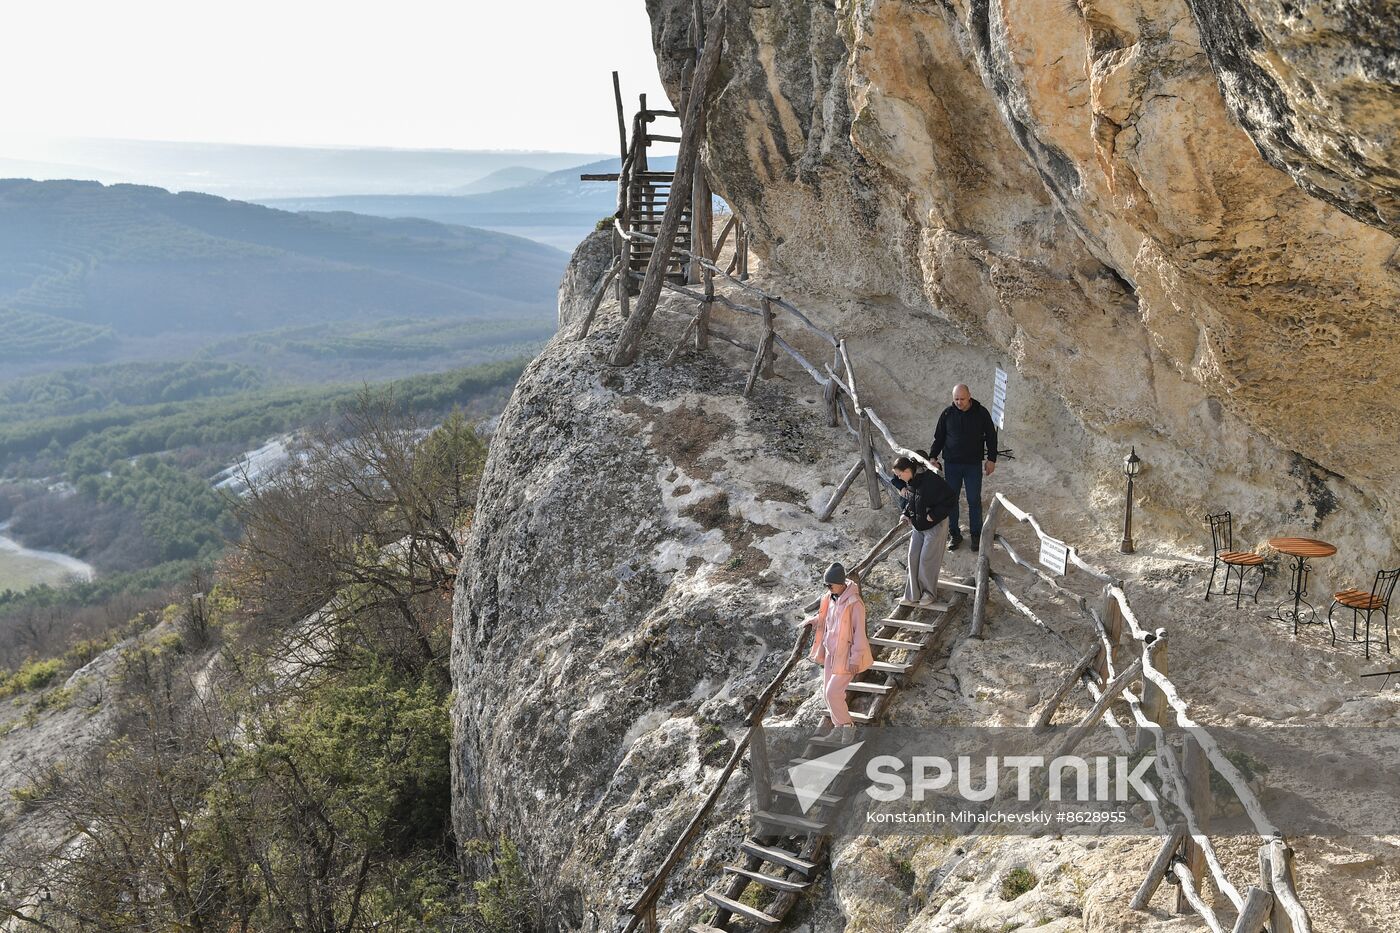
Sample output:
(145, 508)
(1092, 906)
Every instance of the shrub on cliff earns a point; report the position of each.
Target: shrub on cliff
(295, 773)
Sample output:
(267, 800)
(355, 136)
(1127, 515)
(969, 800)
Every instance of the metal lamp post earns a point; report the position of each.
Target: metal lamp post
(1132, 464)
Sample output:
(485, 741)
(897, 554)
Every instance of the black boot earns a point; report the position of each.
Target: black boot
(976, 543)
(954, 542)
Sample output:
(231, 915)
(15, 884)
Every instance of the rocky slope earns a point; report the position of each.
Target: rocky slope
(1173, 223)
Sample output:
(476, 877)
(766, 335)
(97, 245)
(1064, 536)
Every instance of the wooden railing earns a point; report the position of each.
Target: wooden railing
(643, 910)
(1187, 852)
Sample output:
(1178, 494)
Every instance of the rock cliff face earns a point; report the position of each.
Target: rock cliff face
(630, 584)
(1172, 221)
(1069, 183)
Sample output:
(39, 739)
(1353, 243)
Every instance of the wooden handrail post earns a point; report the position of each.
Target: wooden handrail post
(766, 346)
(621, 119)
(702, 324)
(830, 508)
(1112, 617)
(762, 360)
(1259, 903)
(1047, 713)
(587, 322)
(867, 455)
(1196, 775)
(984, 566)
(638, 138)
(1091, 719)
(1158, 872)
(701, 224)
(830, 396)
(758, 767)
(1154, 701)
(624, 252)
(1278, 917)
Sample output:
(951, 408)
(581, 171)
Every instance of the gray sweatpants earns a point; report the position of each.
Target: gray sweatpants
(925, 560)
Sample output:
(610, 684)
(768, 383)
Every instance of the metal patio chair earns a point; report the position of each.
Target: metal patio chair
(1222, 540)
(1359, 601)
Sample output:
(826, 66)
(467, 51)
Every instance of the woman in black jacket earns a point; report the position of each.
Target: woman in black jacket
(928, 501)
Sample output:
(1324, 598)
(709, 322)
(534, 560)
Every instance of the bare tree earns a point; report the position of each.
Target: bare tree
(359, 538)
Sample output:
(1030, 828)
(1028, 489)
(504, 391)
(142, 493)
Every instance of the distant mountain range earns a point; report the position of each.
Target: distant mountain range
(501, 178)
(92, 271)
(557, 208)
(253, 172)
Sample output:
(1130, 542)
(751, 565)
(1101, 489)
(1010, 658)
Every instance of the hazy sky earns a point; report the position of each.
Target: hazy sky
(520, 74)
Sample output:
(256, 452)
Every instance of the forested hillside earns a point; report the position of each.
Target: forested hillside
(93, 272)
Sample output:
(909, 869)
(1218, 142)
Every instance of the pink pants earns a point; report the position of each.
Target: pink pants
(834, 686)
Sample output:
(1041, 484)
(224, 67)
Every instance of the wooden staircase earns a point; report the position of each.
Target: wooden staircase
(647, 197)
(783, 855)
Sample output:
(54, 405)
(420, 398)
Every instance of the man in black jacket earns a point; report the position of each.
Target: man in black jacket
(964, 437)
(928, 501)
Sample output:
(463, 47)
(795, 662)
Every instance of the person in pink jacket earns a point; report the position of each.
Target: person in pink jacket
(840, 645)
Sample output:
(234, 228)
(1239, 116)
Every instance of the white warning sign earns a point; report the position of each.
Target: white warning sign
(999, 400)
(1054, 555)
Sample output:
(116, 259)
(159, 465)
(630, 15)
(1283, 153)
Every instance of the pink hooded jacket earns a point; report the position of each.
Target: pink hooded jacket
(840, 646)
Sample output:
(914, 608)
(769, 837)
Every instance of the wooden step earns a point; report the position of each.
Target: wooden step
(956, 586)
(776, 856)
(743, 910)
(706, 928)
(791, 820)
(941, 605)
(896, 643)
(819, 765)
(863, 718)
(787, 790)
(861, 686)
(890, 667)
(911, 625)
(768, 881)
(826, 741)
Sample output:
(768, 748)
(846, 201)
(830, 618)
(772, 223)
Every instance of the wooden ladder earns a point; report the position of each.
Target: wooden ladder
(647, 198)
(782, 856)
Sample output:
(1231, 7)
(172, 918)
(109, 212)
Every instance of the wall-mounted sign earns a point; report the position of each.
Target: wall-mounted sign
(999, 400)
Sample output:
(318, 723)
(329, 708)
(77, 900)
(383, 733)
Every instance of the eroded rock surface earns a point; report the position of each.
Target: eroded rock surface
(641, 540)
(1316, 87)
(1067, 184)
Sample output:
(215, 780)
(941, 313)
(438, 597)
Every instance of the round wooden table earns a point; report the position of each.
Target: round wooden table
(1301, 550)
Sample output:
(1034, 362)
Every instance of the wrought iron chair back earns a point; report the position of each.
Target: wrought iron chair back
(1384, 587)
(1222, 536)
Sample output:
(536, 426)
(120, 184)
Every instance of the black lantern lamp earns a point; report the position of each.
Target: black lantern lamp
(1132, 464)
